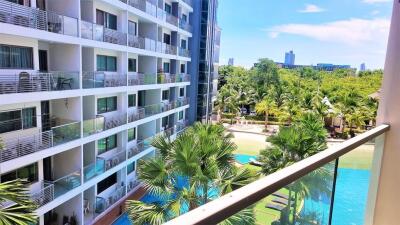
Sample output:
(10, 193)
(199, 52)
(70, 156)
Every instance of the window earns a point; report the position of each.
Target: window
(30, 173)
(130, 168)
(108, 104)
(106, 19)
(181, 92)
(167, 39)
(132, 134)
(165, 95)
(184, 17)
(132, 65)
(183, 68)
(166, 67)
(132, 100)
(17, 120)
(183, 44)
(164, 122)
(106, 63)
(168, 8)
(180, 115)
(132, 28)
(15, 57)
(107, 144)
(106, 183)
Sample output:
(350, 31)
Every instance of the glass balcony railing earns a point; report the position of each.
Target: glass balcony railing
(141, 79)
(97, 32)
(326, 188)
(113, 160)
(185, 25)
(25, 82)
(93, 126)
(150, 110)
(103, 79)
(171, 19)
(103, 203)
(166, 48)
(114, 121)
(136, 41)
(50, 190)
(62, 132)
(25, 16)
(94, 169)
(136, 114)
(184, 52)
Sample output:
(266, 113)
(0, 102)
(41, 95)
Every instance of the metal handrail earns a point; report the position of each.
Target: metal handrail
(229, 204)
(26, 16)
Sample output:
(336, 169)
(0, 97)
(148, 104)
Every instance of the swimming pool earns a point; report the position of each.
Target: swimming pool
(244, 159)
(350, 199)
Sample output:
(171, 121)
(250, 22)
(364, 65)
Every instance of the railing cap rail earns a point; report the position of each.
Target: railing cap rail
(231, 203)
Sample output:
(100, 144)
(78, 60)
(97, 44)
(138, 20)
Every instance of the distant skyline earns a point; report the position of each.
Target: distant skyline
(324, 31)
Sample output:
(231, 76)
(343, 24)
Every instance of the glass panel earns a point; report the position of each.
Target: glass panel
(166, 67)
(102, 146)
(130, 168)
(132, 134)
(10, 121)
(132, 100)
(101, 63)
(67, 183)
(352, 185)
(181, 115)
(111, 63)
(111, 21)
(65, 133)
(111, 104)
(305, 201)
(101, 105)
(132, 27)
(132, 65)
(29, 118)
(165, 95)
(106, 183)
(112, 142)
(94, 169)
(15, 57)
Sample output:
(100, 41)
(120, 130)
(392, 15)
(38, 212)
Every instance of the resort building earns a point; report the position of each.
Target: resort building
(84, 87)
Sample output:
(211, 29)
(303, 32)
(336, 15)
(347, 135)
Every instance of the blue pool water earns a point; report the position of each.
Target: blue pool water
(350, 199)
(244, 159)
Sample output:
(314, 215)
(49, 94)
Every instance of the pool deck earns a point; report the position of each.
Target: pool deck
(118, 209)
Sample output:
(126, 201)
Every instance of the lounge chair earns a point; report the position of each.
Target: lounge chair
(275, 206)
(282, 201)
(280, 195)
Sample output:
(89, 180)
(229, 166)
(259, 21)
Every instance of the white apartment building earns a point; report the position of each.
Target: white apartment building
(84, 87)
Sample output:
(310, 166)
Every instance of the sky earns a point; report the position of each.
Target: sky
(347, 32)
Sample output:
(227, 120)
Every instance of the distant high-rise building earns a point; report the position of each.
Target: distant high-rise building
(363, 67)
(231, 61)
(290, 58)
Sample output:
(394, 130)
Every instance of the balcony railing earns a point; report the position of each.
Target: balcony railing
(164, 78)
(182, 78)
(132, 185)
(321, 167)
(136, 149)
(184, 52)
(113, 121)
(94, 169)
(185, 25)
(102, 204)
(172, 19)
(93, 126)
(51, 190)
(103, 80)
(141, 79)
(189, 2)
(97, 32)
(38, 82)
(25, 16)
(20, 146)
(136, 41)
(113, 160)
(166, 48)
(135, 115)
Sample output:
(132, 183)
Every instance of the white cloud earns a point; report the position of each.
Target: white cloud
(310, 8)
(350, 32)
(375, 1)
(375, 12)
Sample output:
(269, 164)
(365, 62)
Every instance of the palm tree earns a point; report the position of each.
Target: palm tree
(20, 213)
(304, 138)
(188, 172)
(266, 106)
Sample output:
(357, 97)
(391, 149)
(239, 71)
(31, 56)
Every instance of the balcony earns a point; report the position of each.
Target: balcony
(165, 78)
(141, 79)
(38, 82)
(105, 202)
(184, 52)
(97, 32)
(136, 114)
(103, 80)
(114, 120)
(136, 41)
(132, 185)
(166, 48)
(94, 169)
(61, 132)
(93, 126)
(171, 19)
(321, 167)
(182, 78)
(112, 159)
(50, 190)
(185, 26)
(20, 15)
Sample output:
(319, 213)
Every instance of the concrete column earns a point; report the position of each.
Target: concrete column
(387, 207)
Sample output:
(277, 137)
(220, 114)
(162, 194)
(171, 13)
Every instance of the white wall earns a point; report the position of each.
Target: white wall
(66, 162)
(68, 108)
(64, 57)
(69, 208)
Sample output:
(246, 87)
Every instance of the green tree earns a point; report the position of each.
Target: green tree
(201, 157)
(266, 106)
